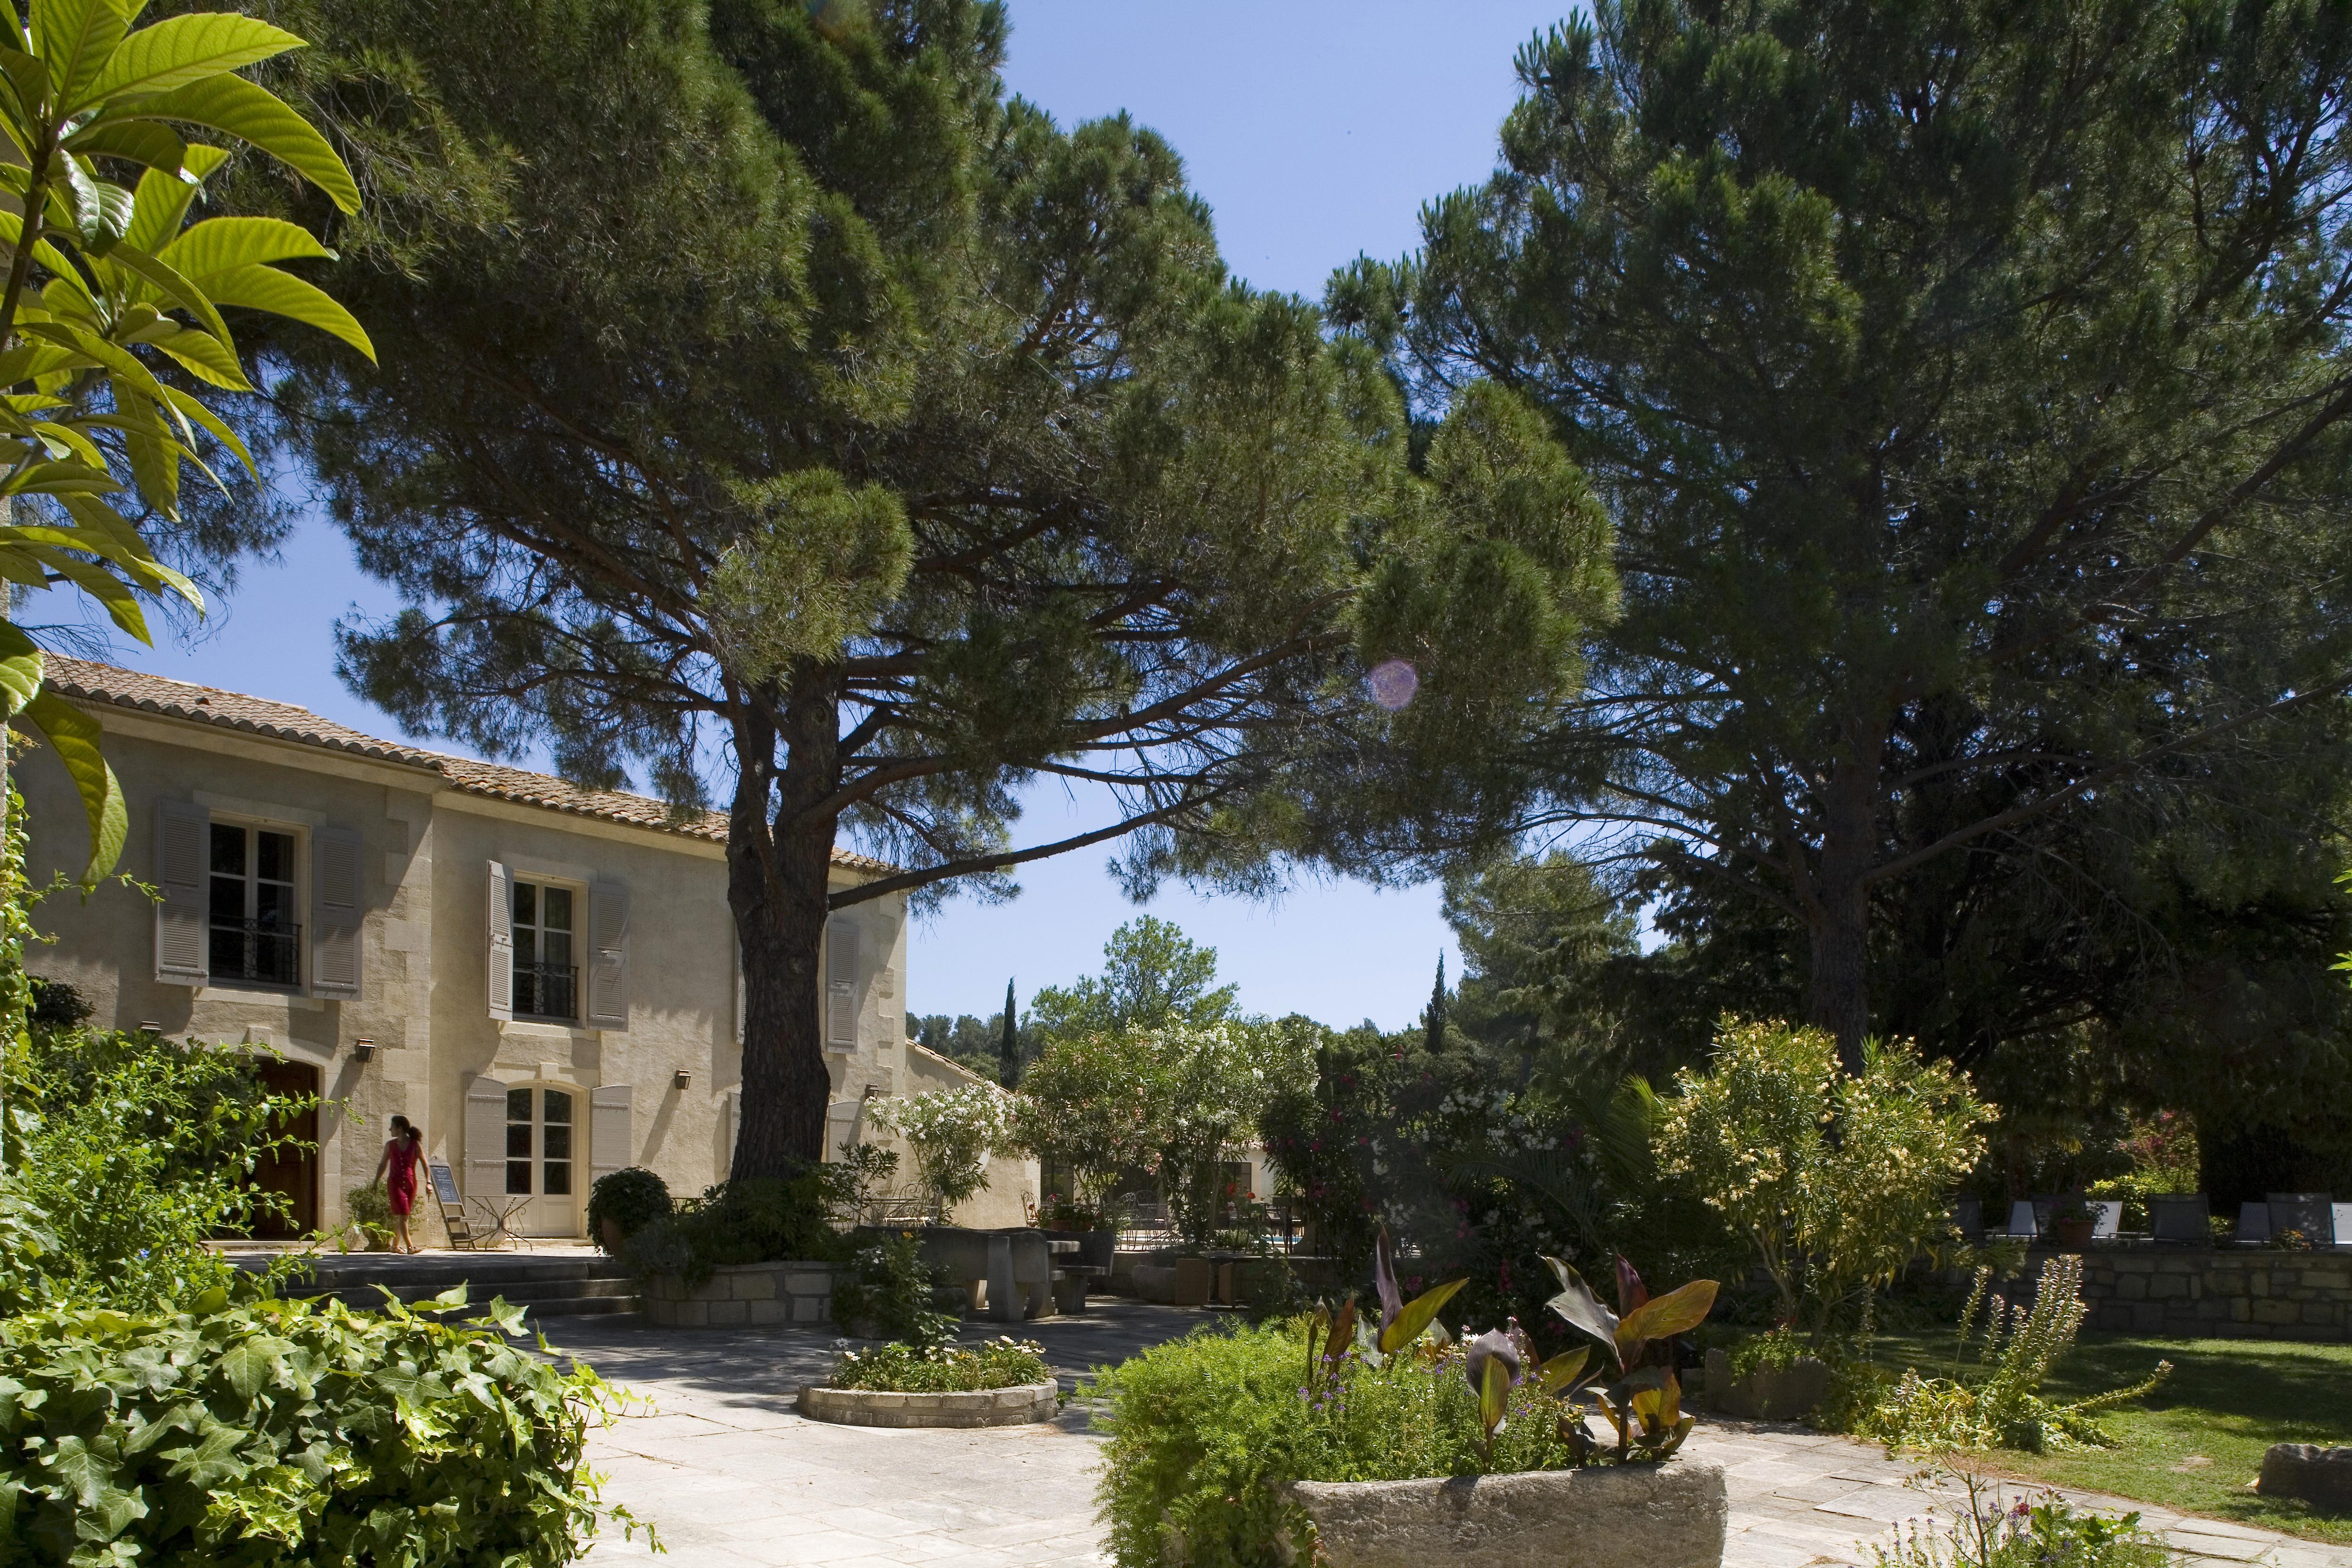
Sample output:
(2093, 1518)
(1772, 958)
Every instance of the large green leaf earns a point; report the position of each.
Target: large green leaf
(76, 38)
(265, 289)
(1558, 1374)
(219, 244)
(179, 50)
(235, 106)
(1675, 1312)
(1494, 1394)
(169, 281)
(139, 140)
(20, 671)
(1415, 1317)
(75, 736)
(161, 200)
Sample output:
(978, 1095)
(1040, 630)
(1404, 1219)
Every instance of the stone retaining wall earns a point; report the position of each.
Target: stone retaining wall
(738, 1295)
(2224, 1293)
(1013, 1407)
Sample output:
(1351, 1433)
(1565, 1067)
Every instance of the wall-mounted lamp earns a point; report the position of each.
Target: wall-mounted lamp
(152, 1025)
(363, 1050)
(682, 1078)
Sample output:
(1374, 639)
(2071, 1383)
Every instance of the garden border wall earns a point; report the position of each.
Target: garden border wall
(740, 1295)
(2232, 1293)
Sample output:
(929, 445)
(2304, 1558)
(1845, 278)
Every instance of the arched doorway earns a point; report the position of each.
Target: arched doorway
(293, 1172)
(543, 1131)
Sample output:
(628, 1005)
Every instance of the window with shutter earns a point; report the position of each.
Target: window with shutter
(183, 836)
(485, 1136)
(500, 961)
(336, 905)
(608, 956)
(841, 984)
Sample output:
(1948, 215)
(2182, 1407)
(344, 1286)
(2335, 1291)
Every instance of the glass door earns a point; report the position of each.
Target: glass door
(540, 1160)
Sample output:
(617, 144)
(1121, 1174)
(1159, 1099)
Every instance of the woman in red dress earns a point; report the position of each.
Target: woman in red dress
(402, 1153)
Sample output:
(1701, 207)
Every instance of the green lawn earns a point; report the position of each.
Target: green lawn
(2197, 1443)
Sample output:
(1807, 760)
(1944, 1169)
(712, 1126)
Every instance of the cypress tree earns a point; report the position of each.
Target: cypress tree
(1008, 1045)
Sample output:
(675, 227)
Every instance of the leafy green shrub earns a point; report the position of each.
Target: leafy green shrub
(371, 1210)
(273, 1434)
(2003, 1407)
(887, 1287)
(632, 1198)
(761, 1221)
(1203, 1428)
(1832, 1215)
(913, 1369)
(2052, 1533)
(135, 1150)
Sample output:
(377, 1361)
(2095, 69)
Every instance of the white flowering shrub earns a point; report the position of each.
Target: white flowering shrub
(1837, 1182)
(950, 1132)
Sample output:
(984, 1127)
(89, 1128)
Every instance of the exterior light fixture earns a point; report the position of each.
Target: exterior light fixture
(152, 1025)
(682, 1078)
(363, 1050)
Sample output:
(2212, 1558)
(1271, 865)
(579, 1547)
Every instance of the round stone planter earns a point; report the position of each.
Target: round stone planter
(983, 1408)
(1669, 1515)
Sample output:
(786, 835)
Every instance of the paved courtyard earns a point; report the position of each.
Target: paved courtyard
(733, 1477)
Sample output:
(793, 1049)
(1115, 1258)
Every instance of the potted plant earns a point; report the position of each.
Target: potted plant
(1571, 1510)
(2072, 1220)
(1766, 1377)
(624, 1202)
(371, 1210)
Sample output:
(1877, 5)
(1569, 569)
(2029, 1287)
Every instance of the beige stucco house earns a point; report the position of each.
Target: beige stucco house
(544, 977)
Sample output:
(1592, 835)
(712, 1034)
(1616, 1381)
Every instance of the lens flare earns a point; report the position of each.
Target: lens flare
(1393, 683)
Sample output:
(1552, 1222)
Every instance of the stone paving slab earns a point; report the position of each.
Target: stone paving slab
(734, 1479)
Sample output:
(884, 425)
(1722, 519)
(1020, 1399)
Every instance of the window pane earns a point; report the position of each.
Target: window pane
(275, 857)
(558, 1141)
(526, 942)
(518, 1105)
(273, 905)
(557, 1175)
(518, 1176)
(526, 904)
(229, 849)
(557, 903)
(559, 1106)
(518, 1140)
(228, 898)
(559, 946)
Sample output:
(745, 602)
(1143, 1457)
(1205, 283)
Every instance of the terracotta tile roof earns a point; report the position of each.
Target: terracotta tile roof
(113, 686)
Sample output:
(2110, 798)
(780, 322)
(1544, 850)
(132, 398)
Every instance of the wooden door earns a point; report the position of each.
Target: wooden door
(293, 1172)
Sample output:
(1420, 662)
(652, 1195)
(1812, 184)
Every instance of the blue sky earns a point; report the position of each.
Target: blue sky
(1315, 129)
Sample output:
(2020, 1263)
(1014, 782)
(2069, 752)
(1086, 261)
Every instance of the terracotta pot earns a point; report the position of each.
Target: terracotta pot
(2072, 1235)
(612, 1235)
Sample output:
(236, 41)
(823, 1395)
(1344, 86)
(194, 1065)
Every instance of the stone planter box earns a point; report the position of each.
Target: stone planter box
(985, 1407)
(1669, 1515)
(1097, 1248)
(1768, 1393)
(742, 1295)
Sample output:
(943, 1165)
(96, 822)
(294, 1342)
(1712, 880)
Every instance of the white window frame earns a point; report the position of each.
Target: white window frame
(577, 934)
(299, 896)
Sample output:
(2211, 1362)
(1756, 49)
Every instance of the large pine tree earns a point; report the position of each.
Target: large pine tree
(802, 421)
(1968, 383)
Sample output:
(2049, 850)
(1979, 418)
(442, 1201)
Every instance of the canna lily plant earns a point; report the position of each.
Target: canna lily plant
(113, 300)
(1641, 1401)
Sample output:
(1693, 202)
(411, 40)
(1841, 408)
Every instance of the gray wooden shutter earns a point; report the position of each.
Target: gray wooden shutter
(501, 945)
(183, 846)
(841, 984)
(608, 956)
(485, 1136)
(608, 1130)
(335, 906)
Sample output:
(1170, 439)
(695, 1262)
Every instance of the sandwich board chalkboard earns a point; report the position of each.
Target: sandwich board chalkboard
(445, 1187)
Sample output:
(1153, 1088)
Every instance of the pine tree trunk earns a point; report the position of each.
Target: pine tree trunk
(777, 884)
(1838, 917)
